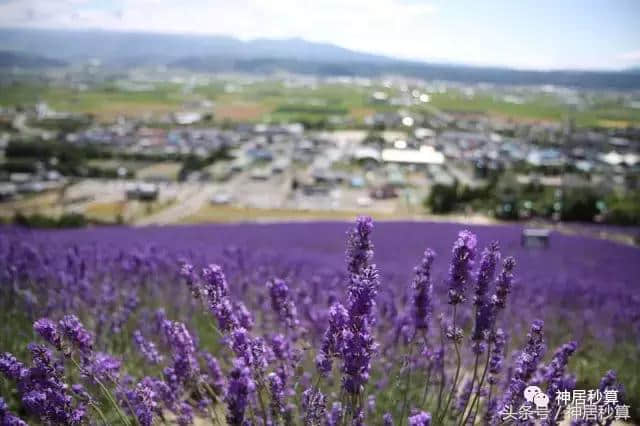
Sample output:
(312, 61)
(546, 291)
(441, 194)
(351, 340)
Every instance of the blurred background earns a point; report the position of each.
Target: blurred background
(158, 112)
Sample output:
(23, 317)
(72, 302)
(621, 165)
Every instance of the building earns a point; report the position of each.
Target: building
(422, 156)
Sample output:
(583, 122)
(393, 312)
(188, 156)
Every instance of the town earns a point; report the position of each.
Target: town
(234, 147)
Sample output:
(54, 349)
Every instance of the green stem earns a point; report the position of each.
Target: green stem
(105, 391)
(426, 389)
(473, 380)
(476, 397)
(262, 406)
(442, 379)
(456, 376)
(213, 394)
(407, 385)
(100, 413)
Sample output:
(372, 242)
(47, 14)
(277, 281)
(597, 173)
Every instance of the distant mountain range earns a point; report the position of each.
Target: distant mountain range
(49, 48)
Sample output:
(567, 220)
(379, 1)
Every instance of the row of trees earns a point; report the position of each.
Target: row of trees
(513, 202)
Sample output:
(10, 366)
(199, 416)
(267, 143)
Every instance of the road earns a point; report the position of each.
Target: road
(190, 199)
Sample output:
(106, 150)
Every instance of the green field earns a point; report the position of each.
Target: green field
(272, 100)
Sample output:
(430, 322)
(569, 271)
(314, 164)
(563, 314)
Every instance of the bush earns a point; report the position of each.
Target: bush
(67, 220)
(443, 198)
(579, 205)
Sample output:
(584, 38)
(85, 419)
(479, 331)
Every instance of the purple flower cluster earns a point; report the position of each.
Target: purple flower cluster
(143, 400)
(363, 319)
(72, 329)
(485, 311)
(241, 388)
(314, 407)
(281, 302)
(185, 365)
(147, 348)
(463, 253)
(43, 392)
(332, 339)
(526, 365)
(359, 246)
(422, 292)
(420, 419)
(7, 418)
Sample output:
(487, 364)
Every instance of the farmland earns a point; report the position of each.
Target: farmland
(273, 100)
(134, 297)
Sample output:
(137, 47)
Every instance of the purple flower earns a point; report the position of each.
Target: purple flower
(224, 313)
(362, 292)
(526, 365)
(186, 415)
(387, 419)
(422, 292)
(497, 356)
(48, 331)
(338, 318)
(191, 278)
(554, 375)
(103, 366)
(144, 403)
(463, 398)
(608, 380)
(281, 302)
(11, 367)
(241, 345)
(259, 354)
(215, 285)
(183, 349)
(334, 417)
(504, 283)
(484, 309)
(358, 349)
(147, 348)
(359, 247)
(245, 319)
(7, 418)
(215, 372)
(239, 390)
(35, 402)
(277, 391)
(78, 415)
(420, 419)
(72, 329)
(314, 406)
(460, 269)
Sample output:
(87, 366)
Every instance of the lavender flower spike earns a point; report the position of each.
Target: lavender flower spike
(504, 283)
(338, 317)
(484, 309)
(314, 407)
(420, 419)
(147, 348)
(241, 387)
(460, 269)
(48, 331)
(215, 284)
(422, 292)
(281, 302)
(554, 375)
(7, 418)
(359, 245)
(526, 365)
(73, 330)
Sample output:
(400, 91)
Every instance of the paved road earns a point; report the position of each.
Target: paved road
(189, 200)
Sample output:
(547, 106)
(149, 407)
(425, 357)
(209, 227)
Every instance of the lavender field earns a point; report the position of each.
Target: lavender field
(316, 324)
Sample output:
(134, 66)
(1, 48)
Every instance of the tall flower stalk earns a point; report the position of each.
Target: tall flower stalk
(460, 270)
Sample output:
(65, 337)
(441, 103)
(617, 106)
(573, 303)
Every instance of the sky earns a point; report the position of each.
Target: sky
(523, 34)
